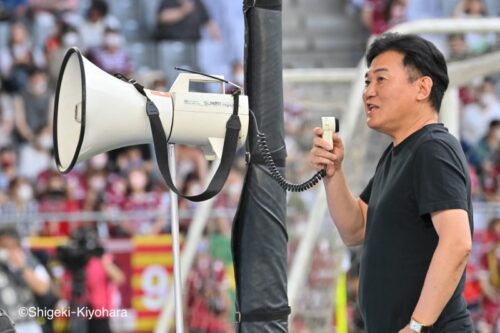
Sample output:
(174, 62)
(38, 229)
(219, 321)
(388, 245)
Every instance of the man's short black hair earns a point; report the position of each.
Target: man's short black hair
(420, 55)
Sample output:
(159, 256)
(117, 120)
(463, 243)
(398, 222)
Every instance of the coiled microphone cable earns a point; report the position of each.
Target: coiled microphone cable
(264, 150)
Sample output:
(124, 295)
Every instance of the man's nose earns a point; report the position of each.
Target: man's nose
(369, 91)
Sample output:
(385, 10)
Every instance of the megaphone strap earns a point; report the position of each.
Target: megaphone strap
(160, 141)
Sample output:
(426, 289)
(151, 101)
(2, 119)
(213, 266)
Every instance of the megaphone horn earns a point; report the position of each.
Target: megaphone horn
(96, 112)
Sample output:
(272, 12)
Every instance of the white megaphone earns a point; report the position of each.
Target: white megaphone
(96, 112)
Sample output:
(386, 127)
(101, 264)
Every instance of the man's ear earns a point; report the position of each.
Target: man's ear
(424, 86)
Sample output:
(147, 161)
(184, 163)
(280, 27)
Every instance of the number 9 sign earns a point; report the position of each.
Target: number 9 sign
(156, 286)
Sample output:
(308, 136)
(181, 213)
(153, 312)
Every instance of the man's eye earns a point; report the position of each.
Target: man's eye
(380, 79)
(367, 83)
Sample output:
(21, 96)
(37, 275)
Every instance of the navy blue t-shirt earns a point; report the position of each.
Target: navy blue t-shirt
(425, 173)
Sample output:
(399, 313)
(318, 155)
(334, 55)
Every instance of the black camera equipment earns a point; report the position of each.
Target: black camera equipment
(84, 244)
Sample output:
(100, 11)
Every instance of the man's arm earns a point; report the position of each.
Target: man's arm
(348, 212)
(447, 264)
(38, 285)
(172, 15)
(39, 282)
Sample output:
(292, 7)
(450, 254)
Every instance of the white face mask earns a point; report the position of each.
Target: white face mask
(488, 99)
(99, 162)
(138, 181)
(45, 141)
(39, 88)
(25, 192)
(113, 40)
(70, 39)
(233, 190)
(239, 78)
(97, 183)
(20, 50)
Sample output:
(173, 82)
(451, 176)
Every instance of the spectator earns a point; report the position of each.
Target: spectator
(477, 43)
(477, 116)
(102, 280)
(8, 164)
(55, 199)
(64, 37)
(486, 160)
(92, 30)
(140, 198)
(380, 15)
(178, 30)
(10, 10)
(190, 160)
(207, 299)
(20, 206)
(33, 108)
(23, 278)
(395, 12)
(372, 16)
(490, 276)
(111, 56)
(191, 185)
(91, 279)
(18, 58)
(34, 159)
(457, 47)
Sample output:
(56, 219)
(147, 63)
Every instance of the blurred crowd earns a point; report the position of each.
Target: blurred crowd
(34, 36)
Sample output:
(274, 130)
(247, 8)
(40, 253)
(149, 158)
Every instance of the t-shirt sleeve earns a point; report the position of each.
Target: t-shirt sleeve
(365, 194)
(439, 180)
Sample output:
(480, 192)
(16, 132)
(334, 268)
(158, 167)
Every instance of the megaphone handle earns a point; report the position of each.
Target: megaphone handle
(233, 127)
(160, 142)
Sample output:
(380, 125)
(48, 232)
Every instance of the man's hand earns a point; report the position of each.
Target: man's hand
(326, 154)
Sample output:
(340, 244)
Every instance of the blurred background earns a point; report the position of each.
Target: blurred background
(99, 236)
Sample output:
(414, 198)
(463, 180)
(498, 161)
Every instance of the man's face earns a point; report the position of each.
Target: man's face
(389, 96)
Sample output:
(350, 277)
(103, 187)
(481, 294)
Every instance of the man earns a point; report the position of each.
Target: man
(414, 217)
(22, 278)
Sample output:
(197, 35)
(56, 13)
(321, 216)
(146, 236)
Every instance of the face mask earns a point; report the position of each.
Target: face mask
(45, 141)
(138, 182)
(70, 39)
(39, 88)
(239, 78)
(97, 183)
(487, 99)
(20, 50)
(99, 162)
(25, 192)
(233, 190)
(113, 40)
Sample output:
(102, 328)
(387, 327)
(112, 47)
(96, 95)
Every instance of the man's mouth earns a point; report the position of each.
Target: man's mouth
(371, 107)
